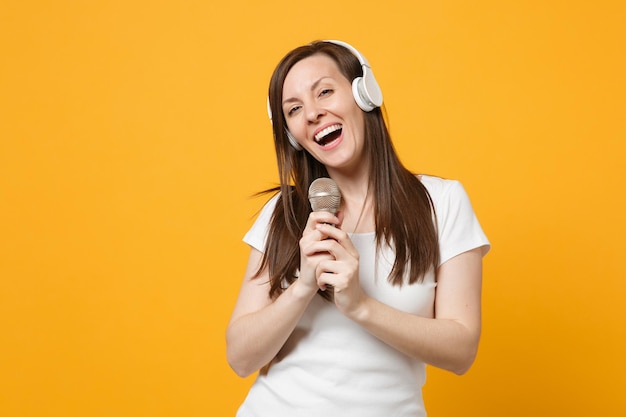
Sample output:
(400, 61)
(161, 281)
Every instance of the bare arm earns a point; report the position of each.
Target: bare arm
(449, 341)
(260, 326)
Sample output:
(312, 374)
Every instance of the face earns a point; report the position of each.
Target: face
(321, 112)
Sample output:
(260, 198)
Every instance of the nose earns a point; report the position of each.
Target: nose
(314, 112)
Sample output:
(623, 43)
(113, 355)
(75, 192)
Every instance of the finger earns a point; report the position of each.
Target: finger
(321, 217)
(339, 236)
(310, 238)
(326, 279)
(330, 246)
(333, 276)
(340, 218)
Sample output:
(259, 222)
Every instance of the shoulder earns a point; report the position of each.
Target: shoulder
(257, 235)
(270, 204)
(441, 189)
(458, 227)
(267, 210)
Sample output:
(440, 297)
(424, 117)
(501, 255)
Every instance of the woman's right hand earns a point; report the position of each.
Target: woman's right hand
(311, 251)
(259, 325)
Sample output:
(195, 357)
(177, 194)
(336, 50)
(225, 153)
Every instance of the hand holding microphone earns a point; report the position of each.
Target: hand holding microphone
(324, 195)
(339, 272)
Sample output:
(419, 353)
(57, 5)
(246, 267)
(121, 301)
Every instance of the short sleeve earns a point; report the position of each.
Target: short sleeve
(459, 229)
(257, 235)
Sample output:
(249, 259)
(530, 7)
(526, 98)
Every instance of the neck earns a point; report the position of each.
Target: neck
(353, 186)
(356, 208)
(356, 204)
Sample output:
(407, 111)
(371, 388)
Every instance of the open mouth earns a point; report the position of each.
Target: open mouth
(328, 135)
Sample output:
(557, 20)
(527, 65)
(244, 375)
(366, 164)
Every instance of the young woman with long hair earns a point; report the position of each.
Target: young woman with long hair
(341, 313)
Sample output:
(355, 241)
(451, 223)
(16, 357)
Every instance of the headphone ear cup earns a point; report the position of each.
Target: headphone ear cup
(366, 92)
(293, 141)
(371, 90)
(359, 96)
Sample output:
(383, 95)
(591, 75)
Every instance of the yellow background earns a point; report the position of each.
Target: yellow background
(133, 133)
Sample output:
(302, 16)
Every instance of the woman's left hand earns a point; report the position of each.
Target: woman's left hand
(341, 272)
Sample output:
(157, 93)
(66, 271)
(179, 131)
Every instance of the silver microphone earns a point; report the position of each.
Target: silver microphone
(324, 195)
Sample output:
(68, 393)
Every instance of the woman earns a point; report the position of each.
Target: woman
(340, 313)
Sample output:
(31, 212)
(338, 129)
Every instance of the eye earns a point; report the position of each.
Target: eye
(292, 110)
(325, 92)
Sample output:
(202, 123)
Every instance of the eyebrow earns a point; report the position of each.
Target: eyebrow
(313, 87)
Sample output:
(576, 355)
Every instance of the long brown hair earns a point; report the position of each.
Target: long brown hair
(403, 209)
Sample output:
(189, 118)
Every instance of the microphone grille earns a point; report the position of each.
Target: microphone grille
(324, 195)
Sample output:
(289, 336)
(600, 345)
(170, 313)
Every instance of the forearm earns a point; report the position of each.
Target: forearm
(254, 339)
(444, 343)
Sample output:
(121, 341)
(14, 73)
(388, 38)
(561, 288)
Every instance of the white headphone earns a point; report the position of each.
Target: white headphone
(365, 89)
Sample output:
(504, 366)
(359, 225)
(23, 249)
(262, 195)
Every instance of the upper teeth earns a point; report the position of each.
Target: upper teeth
(327, 131)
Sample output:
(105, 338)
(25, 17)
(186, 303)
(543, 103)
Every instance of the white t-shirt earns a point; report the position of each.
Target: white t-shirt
(330, 366)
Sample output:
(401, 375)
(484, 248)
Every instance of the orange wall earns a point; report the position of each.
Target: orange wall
(132, 135)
